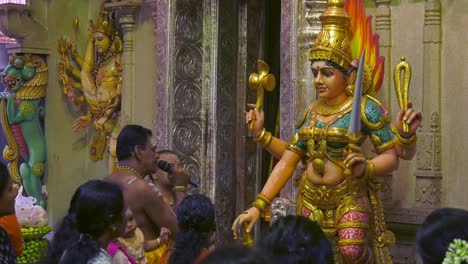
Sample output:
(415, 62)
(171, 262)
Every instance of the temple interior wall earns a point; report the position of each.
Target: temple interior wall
(68, 160)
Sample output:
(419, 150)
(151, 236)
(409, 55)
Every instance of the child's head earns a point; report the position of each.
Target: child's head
(131, 224)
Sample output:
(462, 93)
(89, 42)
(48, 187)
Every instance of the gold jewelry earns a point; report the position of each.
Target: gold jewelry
(333, 40)
(323, 109)
(262, 203)
(179, 188)
(405, 142)
(349, 90)
(128, 168)
(369, 173)
(264, 138)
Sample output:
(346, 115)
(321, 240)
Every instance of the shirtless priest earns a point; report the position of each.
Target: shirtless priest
(137, 157)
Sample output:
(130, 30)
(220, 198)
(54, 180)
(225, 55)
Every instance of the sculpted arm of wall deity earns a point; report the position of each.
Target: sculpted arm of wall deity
(22, 113)
(98, 77)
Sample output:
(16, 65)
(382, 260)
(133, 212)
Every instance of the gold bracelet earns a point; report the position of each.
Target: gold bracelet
(264, 138)
(179, 188)
(260, 136)
(370, 171)
(406, 143)
(262, 203)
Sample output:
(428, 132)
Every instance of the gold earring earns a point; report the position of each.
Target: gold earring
(349, 90)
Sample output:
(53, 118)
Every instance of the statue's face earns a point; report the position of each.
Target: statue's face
(329, 81)
(102, 43)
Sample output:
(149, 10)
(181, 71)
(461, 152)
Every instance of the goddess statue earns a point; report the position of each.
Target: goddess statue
(98, 78)
(339, 185)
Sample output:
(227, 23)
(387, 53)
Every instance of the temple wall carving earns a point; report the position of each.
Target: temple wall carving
(189, 85)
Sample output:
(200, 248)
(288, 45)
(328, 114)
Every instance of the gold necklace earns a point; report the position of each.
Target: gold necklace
(128, 168)
(323, 109)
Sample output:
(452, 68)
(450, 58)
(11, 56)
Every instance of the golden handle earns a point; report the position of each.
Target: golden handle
(263, 80)
(402, 88)
(246, 238)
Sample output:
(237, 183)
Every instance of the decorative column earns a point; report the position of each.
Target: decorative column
(126, 10)
(429, 172)
(383, 27)
(288, 81)
(20, 22)
(309, 27)
(313, 10)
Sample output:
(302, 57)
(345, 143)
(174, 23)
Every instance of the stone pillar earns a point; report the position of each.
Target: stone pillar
(429, 171)
(25, 24)
(125, 10)
(383, 27)
(309, 27)
(288, 81)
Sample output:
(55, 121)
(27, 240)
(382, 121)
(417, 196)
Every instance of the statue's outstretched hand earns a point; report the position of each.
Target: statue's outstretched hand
(81, 122)
(411, 117)
(354, 160)
(254, 120)
(249, 217)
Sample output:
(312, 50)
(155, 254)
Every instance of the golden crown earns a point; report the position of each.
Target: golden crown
(334, 38)
(104, 23)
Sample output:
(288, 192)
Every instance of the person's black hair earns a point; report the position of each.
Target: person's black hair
(4, 178)
(439, 229)
(95, 205)
(130, 137)
(297, 239)
(196, 220)
(237, 255)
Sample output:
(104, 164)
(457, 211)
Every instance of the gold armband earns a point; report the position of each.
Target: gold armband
(262, 203)
(179, 188)
(264, 138)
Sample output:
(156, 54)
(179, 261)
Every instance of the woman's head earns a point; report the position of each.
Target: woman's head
(439, 229)
(95, 217)
(99, 207)
(296, 239)
(196, 221)
(7, 192)
(330, 79)
(196, 213)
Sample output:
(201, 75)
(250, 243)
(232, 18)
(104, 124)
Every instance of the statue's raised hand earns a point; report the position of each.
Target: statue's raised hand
(249, 217)
(254, 120)
(91, 29)
(411, 117)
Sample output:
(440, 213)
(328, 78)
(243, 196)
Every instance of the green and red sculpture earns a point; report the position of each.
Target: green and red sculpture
(22, 112)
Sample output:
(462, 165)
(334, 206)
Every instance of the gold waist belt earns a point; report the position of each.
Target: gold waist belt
(329, 197)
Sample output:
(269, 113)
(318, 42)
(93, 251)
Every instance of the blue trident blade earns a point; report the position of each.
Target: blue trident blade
(355, 122)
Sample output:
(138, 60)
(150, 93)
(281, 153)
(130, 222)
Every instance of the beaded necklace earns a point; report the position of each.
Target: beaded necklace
(128, 168)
